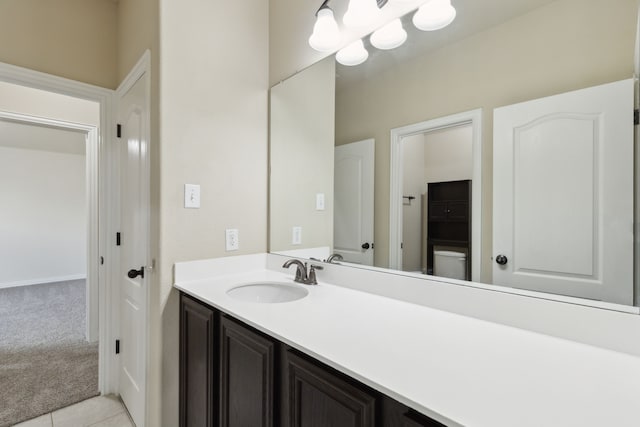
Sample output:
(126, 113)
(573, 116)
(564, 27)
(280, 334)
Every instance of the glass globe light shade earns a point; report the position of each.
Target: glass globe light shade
(326, 35)
(361, 13)
(390, 36)
(434, 15)
(353, 54)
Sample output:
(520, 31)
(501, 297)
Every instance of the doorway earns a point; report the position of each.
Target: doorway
(405, 138)
(98, 217)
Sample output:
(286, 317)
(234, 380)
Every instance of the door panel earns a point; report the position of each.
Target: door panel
(134, 182)
(353, 194)
(563, 194)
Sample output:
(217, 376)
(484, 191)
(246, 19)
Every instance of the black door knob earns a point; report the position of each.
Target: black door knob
(133, 273)
(365, 246)
(501, 259)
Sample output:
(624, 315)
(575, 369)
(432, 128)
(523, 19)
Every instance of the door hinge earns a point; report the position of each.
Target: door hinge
(101, 260)
(117, 346)
(636, 117)
(119, 130)
(118, 238)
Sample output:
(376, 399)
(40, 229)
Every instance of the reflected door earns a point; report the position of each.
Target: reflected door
(134, 190)
(563, 194)
(353, 195)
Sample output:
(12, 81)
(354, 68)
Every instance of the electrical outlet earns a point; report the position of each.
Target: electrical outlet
(320, 201)
(191, 196)
(232, 239)
(296, 237)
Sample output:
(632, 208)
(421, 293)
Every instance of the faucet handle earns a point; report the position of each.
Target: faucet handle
(312, 274)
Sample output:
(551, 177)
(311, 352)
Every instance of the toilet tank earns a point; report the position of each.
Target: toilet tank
(450, 264)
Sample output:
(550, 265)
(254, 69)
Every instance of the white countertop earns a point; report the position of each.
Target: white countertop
(456, 369)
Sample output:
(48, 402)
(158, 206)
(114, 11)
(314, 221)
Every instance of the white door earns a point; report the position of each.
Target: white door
(133, 113)
(353, 193)
(563, 194)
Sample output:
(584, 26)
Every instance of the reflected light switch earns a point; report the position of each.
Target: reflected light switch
(320, 201)
(296, 236)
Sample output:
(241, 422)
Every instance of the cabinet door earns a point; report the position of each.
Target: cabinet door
(246, 376)
(197, 364)
(458, 211)
(395, 414)
(317, 397)
(438, 211)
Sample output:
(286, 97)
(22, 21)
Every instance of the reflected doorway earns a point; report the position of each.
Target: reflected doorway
(443, 150)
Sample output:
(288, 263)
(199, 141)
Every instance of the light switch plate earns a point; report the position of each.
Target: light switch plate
(296, 236)
(320, 201)
(191, 196)
(232, 239)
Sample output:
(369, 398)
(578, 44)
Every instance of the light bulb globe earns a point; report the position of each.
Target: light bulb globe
(434, 15)
(326, 34)
(353, 54)
(390, 36)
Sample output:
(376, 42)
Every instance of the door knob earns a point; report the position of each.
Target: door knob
(365, 246)
(501, 259)
(133, 273)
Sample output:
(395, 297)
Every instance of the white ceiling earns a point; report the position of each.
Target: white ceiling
(36, 137)
(472, 17)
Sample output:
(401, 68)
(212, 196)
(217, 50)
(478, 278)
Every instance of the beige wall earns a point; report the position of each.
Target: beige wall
(137, 31)
(290, 25)
(301, 155)
(213, 132)
(566, 45)
(413, 184)
(75, 39)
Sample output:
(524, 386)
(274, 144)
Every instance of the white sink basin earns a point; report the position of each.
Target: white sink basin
(268, 292)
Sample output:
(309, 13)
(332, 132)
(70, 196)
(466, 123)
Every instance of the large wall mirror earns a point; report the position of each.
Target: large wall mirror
(497, 150)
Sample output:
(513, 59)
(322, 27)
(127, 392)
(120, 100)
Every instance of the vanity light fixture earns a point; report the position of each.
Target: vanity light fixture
(390, 36)
(326, 35)
(361, 13)
(434, 15)
(353, 54)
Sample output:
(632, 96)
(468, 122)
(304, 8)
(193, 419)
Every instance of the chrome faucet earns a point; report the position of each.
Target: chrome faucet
(301, 272)
(337, 257)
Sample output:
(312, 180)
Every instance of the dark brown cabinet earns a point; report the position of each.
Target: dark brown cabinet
(232, 375)
(316, 397)
(247, 387)
(197, 363)
(449, 219)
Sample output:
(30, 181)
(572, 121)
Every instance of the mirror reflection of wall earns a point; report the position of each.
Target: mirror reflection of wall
(483, 61)
(301, 152)
(563, 45)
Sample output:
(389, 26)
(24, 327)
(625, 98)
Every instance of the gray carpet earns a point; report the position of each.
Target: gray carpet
(45, 362)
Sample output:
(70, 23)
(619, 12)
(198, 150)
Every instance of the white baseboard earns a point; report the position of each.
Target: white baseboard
(42, 280)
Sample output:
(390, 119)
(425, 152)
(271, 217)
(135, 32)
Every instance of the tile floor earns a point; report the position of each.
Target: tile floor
(101, 411)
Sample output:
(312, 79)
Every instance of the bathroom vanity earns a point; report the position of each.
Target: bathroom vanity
(235, 375)
(345, 357)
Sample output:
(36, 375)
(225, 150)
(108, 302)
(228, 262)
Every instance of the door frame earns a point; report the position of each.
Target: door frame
(473, 118)
(92, 194)
(105, 197)
(142, 68)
